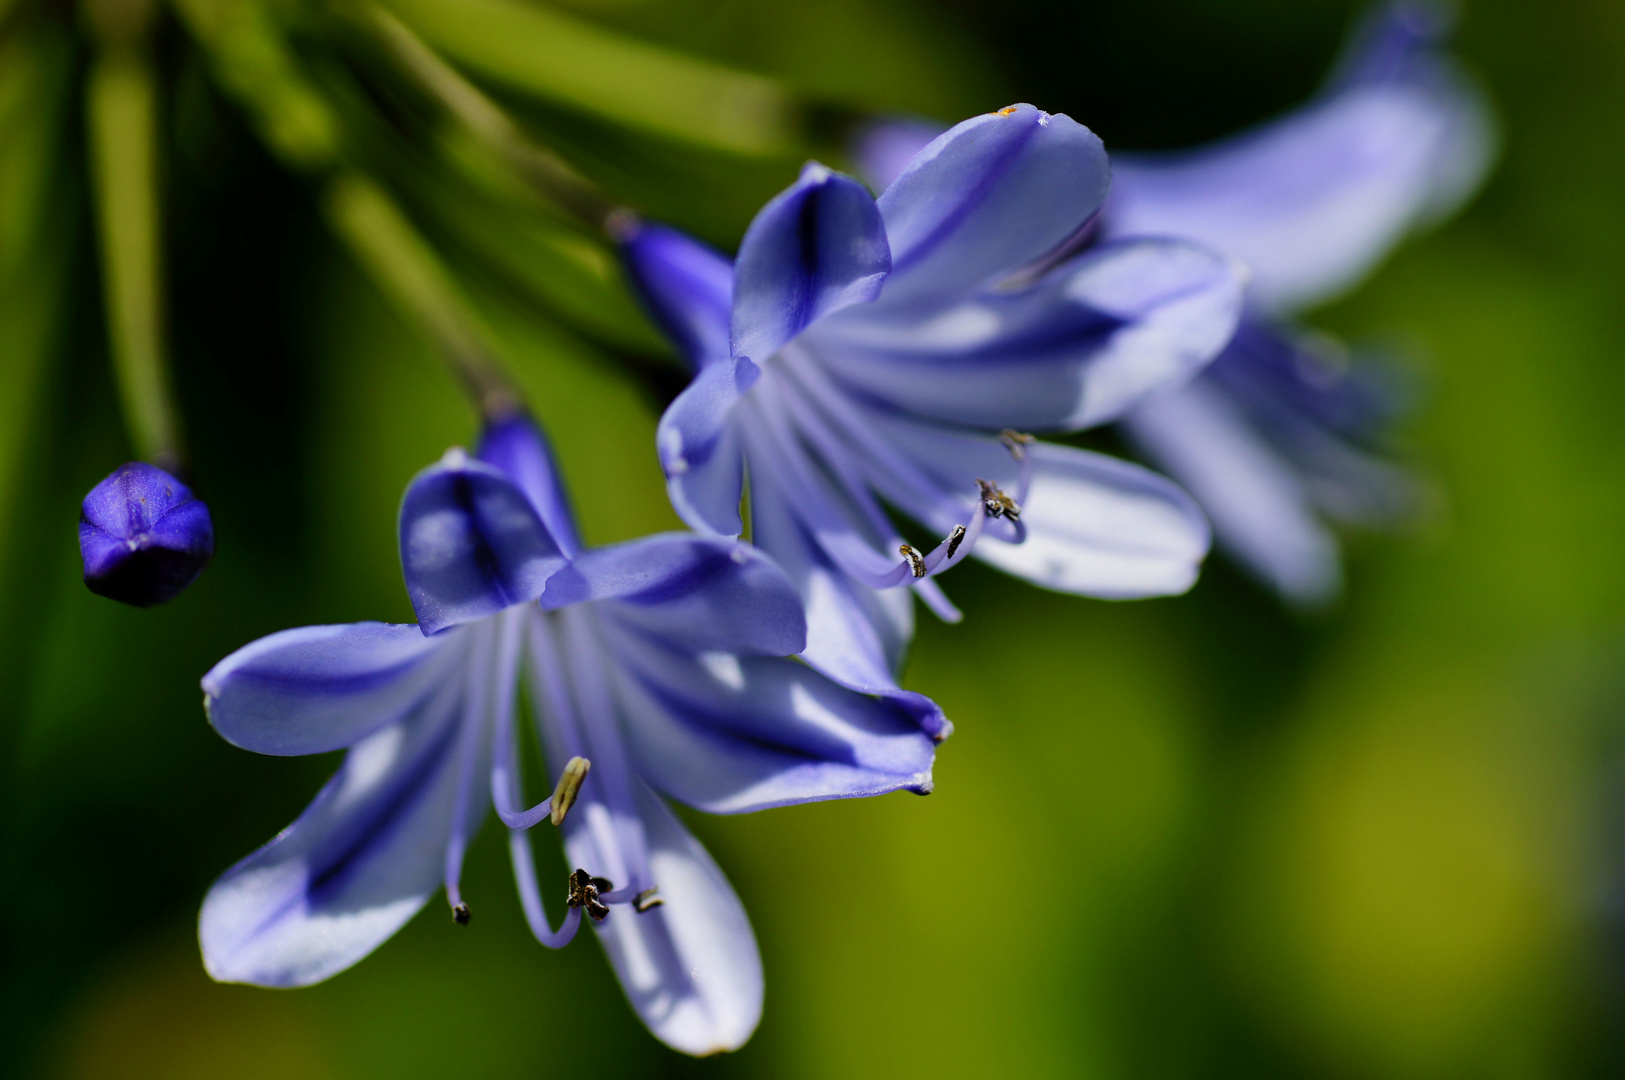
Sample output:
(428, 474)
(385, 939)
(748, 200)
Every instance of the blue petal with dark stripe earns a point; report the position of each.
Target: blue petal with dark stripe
(518, 447)
(357, 864)
(986, 197)
(471, 543)
(321, 688)
(711, 593)
(818, 247)
(729, 734)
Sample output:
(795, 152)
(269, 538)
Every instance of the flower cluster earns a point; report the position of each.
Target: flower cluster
(870, 378)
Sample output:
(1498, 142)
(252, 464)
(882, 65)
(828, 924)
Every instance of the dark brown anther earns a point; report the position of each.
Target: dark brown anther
(996, 503)
(955, 538)
(916, 562)
(648, 898)
(584, 890)
(1016, 442)
(460, 914)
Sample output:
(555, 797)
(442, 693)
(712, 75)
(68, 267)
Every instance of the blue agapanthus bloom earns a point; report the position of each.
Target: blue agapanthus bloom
(658, 669)
(861, 356)
(143, 536)
(1282, 433)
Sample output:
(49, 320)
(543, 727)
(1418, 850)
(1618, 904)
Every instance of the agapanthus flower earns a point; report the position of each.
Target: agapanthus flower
(864, 356)
(1282, 434)
(143, 536)
(658, 669)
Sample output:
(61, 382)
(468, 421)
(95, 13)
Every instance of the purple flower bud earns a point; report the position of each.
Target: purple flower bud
(143, 536)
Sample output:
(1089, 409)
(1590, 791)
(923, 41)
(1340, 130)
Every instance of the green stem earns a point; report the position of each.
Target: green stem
(410, 274)
(532, 162)
(123, 130)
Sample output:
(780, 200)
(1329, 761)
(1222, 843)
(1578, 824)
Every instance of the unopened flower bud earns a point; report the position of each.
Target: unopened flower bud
(143, 536)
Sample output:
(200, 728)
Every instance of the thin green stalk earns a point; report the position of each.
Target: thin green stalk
(410, 274)
(534, 163)
(123, 130)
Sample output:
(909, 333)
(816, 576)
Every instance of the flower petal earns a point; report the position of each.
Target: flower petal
(689, 967)
(471, 543)
(707, 592)
(699, 450)
(883, 148)
(1088, 342)
(357, 864)
(855, 635)
(817, 247)
(321, 688)
(727, 734)
(986, 197)
(1312, 201)
(1259, 508)
(1095, 525)
(686, 287)
(519, 448)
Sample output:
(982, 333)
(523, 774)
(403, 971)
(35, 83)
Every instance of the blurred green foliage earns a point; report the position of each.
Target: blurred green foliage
(1191, 837)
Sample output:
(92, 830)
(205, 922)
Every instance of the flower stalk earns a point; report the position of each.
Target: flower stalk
(121, 113)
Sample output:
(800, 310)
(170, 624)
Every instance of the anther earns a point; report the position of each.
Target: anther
(955, 538)
(916, 562)
(584, 891)
(460, 914)
(648, 898)
(996, 503)
(570, 780)
(1016, 442)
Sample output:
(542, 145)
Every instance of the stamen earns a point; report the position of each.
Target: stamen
(584, 893)
(524, 869)
(1015, 442)
(955, 538)
(648, 898)
(916, 562)
(995, 503)
(570, 781)
(460, 914)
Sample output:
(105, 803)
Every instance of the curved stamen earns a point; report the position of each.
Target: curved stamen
(506, 782)
(851, 554)
(931, 593)
(530, 897)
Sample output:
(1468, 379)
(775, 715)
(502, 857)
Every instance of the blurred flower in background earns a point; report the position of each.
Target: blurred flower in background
(1282, 430)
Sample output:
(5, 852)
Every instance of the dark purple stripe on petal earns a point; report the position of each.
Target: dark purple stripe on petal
(471, 543)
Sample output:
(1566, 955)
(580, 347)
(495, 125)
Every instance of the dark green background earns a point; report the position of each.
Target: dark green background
(1188, 837)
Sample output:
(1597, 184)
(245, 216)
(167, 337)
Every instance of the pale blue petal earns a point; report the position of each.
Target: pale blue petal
(699, 449)
(321, 688)
(1085, 344)
(355, 866)
(1312, 201)
(985, 198)
(1260, 511)
(1095, 525)
(709, 593)
(690, 967)
(727, 734)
